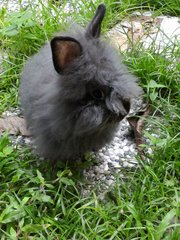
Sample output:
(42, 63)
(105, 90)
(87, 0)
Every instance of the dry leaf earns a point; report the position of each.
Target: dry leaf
(14, 125)
(137, 122)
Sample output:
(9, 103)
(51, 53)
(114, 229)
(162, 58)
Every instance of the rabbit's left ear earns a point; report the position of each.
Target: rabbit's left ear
(94, 28)
(64, 51)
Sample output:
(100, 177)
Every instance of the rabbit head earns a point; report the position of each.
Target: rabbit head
(95, 87)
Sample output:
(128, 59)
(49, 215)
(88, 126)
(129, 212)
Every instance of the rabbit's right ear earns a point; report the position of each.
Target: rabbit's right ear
(94, 28)
(64, 51)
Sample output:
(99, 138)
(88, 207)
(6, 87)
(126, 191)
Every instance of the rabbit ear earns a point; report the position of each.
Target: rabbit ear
(94, 28)
(64, 51)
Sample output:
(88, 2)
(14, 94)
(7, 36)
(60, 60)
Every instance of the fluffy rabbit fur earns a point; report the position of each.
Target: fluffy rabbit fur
(75, 91)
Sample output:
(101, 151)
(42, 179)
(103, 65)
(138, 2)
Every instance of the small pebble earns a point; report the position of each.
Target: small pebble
(125, 164)
(121, 151)
(126, 24)
(131, 165)
(106, 168)
(133, 161)
(126, 148)
(110, 182)
(117, 151)
(123, 143)
(136, 14)
(101, 154)
(147, 14)
(106, 158)
(116, 165)
(122, 159)
(150, 151)
(116, 139)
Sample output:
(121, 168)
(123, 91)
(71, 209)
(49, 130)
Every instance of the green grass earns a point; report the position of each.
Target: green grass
(33, 204)
(38, 203)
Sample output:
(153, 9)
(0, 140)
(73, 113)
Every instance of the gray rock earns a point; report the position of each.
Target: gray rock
(147, 14)
(136, 14)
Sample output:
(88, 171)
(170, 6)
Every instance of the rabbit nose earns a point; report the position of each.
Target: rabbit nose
(126, 105)
(117, 108)
(121, 109)
(120, 113)
(115, 118)
(124, 110)
(121, 116)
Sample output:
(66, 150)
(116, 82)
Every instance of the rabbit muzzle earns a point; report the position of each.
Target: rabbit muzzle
(117, 109)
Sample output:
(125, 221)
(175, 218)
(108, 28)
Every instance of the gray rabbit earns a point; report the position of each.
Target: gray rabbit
(75, 91)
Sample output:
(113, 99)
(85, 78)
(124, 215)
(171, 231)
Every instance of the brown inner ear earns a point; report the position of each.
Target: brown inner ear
(64, 52)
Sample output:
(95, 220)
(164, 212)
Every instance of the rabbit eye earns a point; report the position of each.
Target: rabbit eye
(97, 94)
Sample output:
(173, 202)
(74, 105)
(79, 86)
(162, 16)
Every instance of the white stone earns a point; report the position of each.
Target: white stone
(110, 149)
(147, 14)
(96, 169)
(169, 31)
(111, 152)
(116, 139)
(101, 154)
(117, 152)
(131, 165)
(132, 148)
(115, 147)
(118, 132)
(116, 165)
(125, 164)
(149, 151)
(136, 13)
(133, 161)
(123, 143)
(112, 158)
(126, 148)
(122, 159)
(106, 168)
(126, 26)
(100, 170)
(110, 182)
